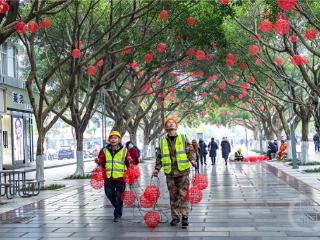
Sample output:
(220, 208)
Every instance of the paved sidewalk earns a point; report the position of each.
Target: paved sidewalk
(245, 201)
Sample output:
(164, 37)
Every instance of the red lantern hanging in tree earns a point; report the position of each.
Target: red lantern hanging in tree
(286, 4)
(245, 85)
(152, 219)
(231, 98)
(230, 59)
(200, 181)
(200, 55)
(278, 61)
(223, 85)
(293, 38)
(216, 97)
(191, 21)
(161, 47)
(185, 63)
(33, 26)
(189, 89)
(100, 63)
(148, 57)
(240, 96)
(204, 94)
(311, 34)
(194, 195)
(298, 60)
(92, 70)
(21, 28)
(251, 79)
(265, 25)
(258, 61)
(152, 193)
(281, 26)
(243, 65)
(76, 53)
(190, 52)
(232, 81)
(128, 198)
(45, 23)
(224, 2)
(164, 15)
(4, 7)
(254, 49)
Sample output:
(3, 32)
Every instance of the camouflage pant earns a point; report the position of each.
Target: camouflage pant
(178, 187)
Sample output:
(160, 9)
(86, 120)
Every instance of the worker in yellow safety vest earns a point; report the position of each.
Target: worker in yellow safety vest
(175, 156)
(115, 158)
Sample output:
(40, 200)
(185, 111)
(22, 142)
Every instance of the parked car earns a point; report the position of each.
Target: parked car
(65, 152)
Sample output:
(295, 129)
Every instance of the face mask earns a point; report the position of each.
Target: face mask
(130, 145)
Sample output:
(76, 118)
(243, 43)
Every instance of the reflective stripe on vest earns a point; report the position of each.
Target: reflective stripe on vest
(181, 155)
(115, 167)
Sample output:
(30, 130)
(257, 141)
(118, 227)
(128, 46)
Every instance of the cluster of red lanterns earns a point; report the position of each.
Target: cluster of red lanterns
(97, 178)
(199, 183)
(152, 219)
(286, 4)
(230, 60)
(200, 55)
(32, 26)
(281, 26)
(132, 174)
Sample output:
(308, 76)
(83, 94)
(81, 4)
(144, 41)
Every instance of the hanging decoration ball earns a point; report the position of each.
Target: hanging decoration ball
(148, 57)
(245, 85)
(21, 28)
(232, 81)
(216, 97)
(200, 181)
(95, 184)
(293, 38)
(281, 27)
(4, 7)
(286, 4)
(76, 53)
(243, 65)
(223, 85)
(251, 79)
(152, 219)
(161, 47)
(145, 203)
(254, 49)
(45, 23)
(204, 94)
(132, 174)
(231, 98)
(200, 55)
(164, 15)
(278, 61)
(92, 70)
(99, 174)
(128, 197)
(194, 195)
(224, 2)
(189, 89)
(258, 61)
(299, 60)
(265, 25)
(171, 90)
(152, 193)
(230, 60)
(100, 63)
(33, 26)
(191, 21)
(311, 34)
(190, 52)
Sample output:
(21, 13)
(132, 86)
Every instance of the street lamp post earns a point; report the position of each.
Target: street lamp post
(261, 147)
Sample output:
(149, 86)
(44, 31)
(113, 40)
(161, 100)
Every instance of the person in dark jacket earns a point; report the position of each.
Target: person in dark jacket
(226, 149)
(133, 152)
(212, 147)
(316, 141)
(203, 152)
(272, 149)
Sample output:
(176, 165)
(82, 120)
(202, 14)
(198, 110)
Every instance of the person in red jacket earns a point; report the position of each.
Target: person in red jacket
(133, 152)
(115, 159)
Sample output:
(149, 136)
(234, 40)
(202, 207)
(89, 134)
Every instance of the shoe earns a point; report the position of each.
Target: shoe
(185, 222)
(117, 219)
(174, 222)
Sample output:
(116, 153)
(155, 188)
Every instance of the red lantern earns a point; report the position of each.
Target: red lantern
(190, 52)
(185, 63)
(92, 70)
(45, 23)
(204, 94)
(252, 79)
(224, 2)
(152, 193)
(164, 15)
(95, 184)
(254, 49)
(100, 63)
(223, 85)
(286, 4)
(191, 21)
(230, 60)
(148, 57)
(98, 174)
(243, 65)
(152, 219)
(311, 34)
(232, 81)
(200, 181)
(21, 28)
(132, 174)
(4, 7)
(189, 89)
(278, 61)
(258, 61)
(240, 96)
(76, 53)
(161, 47)
(281, 26)
(298, 60)
(231, 98)
(126, 51)
(212, 78)
(33, 26)
(128, 198)
(293, 38)
(194, 195)
(200, 55)
(171, 90)
(216, 97)
(265, 25)
(245, 85)
(145, 203)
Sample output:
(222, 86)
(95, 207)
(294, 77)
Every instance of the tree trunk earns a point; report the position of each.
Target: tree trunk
(40, 157)
(120, 126)
(304, 140)
(146, 143)
(133, 134)
(79, 154)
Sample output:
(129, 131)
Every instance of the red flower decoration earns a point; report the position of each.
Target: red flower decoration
(200, 55)
(243, 65)
(254, 49)
(278, 61)
(92, 70)
(190, 52)
(194, 195)
(265, 25)
(45, 23)
(286, 4)
(232, 81)
(216, 97)
(21, 28)
(251, 79)
(148, 57)
(200, 181)
(76, 53)
(152, 219)
(212, 78)
(223, 85)
(164, 15)
(204, 94)
(128, 198)
(311, 34)
(161, 47)
(191, 21)
(293, 38)
(152, 193)
(230, 59)
(231, 98)
(185, 63)
(33, 26)
(281, 26)
(100, 63)
(189, 89)
(224, 2)
(258, 61)
(145, 203)
(298, 60)
(4, 7)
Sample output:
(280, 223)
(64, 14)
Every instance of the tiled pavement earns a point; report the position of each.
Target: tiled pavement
(244, 201)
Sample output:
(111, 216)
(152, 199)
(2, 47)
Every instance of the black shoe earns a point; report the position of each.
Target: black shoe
(174, 222)
(117, 219)
(185, 222)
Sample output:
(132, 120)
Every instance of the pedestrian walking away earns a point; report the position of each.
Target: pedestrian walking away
(212, 147)
(115, 158)
(203, 152)
(175, 156)
(226, 149)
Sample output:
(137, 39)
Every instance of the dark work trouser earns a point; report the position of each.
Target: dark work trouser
(203, 159)
(113, 190)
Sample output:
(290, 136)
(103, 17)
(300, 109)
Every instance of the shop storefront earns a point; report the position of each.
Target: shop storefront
(17, 135)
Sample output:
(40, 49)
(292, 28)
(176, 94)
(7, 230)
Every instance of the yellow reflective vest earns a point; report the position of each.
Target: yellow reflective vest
(115, 166)
(181, 155)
